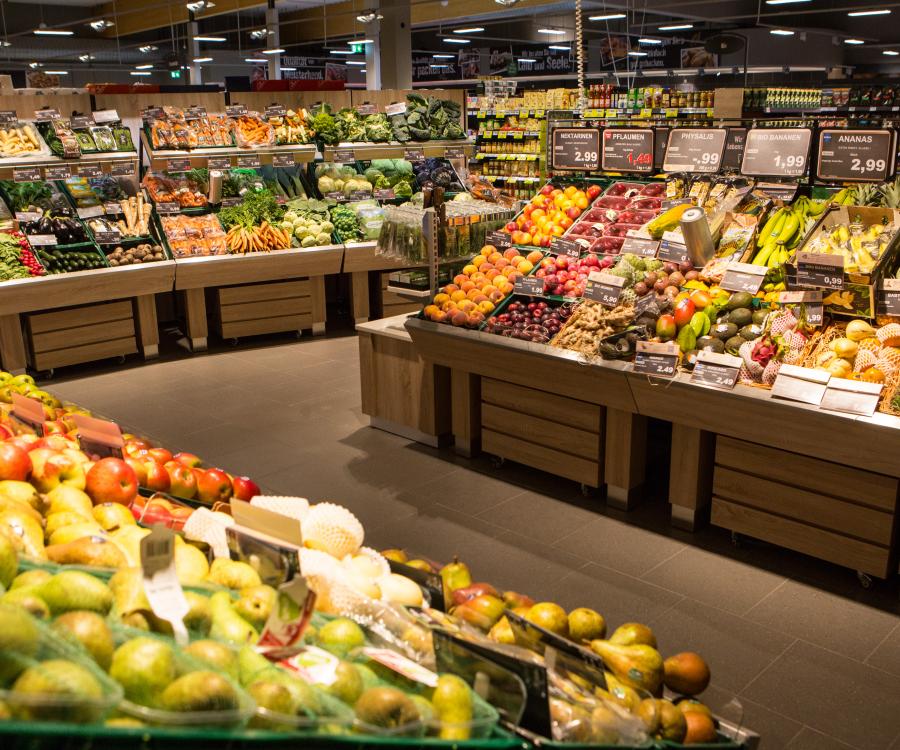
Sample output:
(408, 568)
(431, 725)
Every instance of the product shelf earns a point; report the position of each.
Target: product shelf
(396, 150)
(106, 161)
(301, 153)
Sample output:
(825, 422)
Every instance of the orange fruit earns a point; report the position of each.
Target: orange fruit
(478, 260)
(510, 253)
(581, 202)
(570, 191)
(450, 288)
(495, 256)
(486, 307)
(488, 249)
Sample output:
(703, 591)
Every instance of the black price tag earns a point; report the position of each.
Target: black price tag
(219, 162)
(359, 195)
(344, 155)
(889, 297)
(455, 152)
(26, 217)
(576, 149)
(627, 150)
(285, 161)
(430, 582)
(384, 194)
(734, 148)
(566, 247)
(603, 288)
(716, 370)
(43, 115)
(660, 141)
(235, 110)
(153, 113)
(8, 118)
(335, 196)
(248, 161)
(776, 152)
(122, 168)
(813, 307)
(820, 270)
(500, 240)
(180, 164)
(657, 359)
(80, 122)
(743, 277)
(530, 286)
(694, 150)
(42, 240)
(276, 110)
(90, 170)
(58, 172)
(640, 246)
(89, 212)
(108, 238)
(674, 252)
(112, 208)
(235, 200)
(413, 154)
(27, 174)
(854, 155)
(168, 208)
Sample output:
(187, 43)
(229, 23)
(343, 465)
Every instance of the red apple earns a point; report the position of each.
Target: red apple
(183, 483)
(547, 189)
(138, 443)
(55, 427)
(140, 469)
(684, 311)
(14, 462)
(5, 432)
(135, 450)
(181, 512)
(158, 478)
(111, 480)
(511, 226)
(187, 459)
(160, 455)
(214, 486)
(51, 468)
(461, 596)
(573, 213)
(55, 442)
(245, 488)
(25, 442)
(593, 191)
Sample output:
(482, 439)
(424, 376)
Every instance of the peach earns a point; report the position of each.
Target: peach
(440, 317)
(473, 293)
(499, 281)
(450, 288)
(525, 267)
(458, 295)
(501, 264)
(459, 318)
(495, 295)
(430, 310)
(476, 317)
(491, 274)
(460, 279)
(469, 269)
(448, 306)
(488, 250)
(478, 260)
(467, 286)
(487, 266)
(495, 256)
(510, 253)
(440, 299)
(535, 256)
(486, 307)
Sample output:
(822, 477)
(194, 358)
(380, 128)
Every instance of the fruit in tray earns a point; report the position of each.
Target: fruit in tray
(535, 320)
(66, 229)
(860, 245)
(549, 214)
(194, 235)
(62, 260)
(564, 276)
(17, 261)
(136, 212)
(861, 352)
(19, 141)
(483, 283)
(143, 253)
(784, 230)
(172, 130)
(635, 189)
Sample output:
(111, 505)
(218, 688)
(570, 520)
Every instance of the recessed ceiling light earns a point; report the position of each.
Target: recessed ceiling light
(444, 57)
(259, 34)
(360, 41)
(607, 17)
(101, 25)
(890, 52)
(35, 65)
(470, 30)
(144, 67)
(255, 60)
(210, 39)
(457, 41)
(342, 52)
(57, 72)
(369, 17)
(560, 47)
(438, 67)
(857, 13)
(140, 73)
(785, 2)
(202, 59)
(676, 27)
(553, 32)
(854, 41)
(53, 32)
(5, 43)
(781, 32)
(276, 51)
(637, 54)
(289, 70)
(358, 63)
(148, 48)
(645, 40)
(526, 60)
(199, 5)
(86, 58)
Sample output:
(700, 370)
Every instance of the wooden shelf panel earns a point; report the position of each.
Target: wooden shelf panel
(225, 270)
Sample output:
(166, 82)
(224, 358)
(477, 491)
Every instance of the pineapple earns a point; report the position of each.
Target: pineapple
(867, 195)
(890, 194)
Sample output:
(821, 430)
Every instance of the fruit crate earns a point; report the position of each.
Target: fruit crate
(587, 185)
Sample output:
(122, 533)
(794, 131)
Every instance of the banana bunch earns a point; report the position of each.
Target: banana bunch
(785, 230)
(844, 197)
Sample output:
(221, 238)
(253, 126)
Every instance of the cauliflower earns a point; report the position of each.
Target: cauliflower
(326, 227)
(308, 241)
(327, 185)
(323, 239)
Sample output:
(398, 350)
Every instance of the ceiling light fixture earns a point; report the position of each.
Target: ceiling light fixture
(444, 57)
(859, 13)
(35, 65)
(149, 66)
(5, 43)
(259, 34)
(785, 2)
(457, 41)
(53, 32)
(854, 41)
(438, 67)
(560, 47)
(276, 51)
(289, 70)
(196, 7)
(646, 40)
(255, 60)
(607, 17)
(210, 39)
(57, 72)
(637, 54)
(86, 58)
(362, 70)
(469, 30)
(890, 52)
(101, 25)
(140, 73)
(202, 59)
(358, 63)
(148, 48)
(361, 41)
(369, 17)
(342, 52)
(676, 27)
(552, 32)
(526, 60)
(781, 32)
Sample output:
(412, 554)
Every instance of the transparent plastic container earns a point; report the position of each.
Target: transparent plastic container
(608, 245)
(623, 188)
(634, 216)
(646, 203)
(654, 189)
(610, 201)
(620, 230)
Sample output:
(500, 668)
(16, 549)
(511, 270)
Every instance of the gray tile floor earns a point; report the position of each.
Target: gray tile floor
(813, 660)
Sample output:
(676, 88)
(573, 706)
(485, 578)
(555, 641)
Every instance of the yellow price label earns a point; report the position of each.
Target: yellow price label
(709, 112)
(517, 136)
(481, 115)
(671, 113)
(612, 113)
(538, 113)
(645, 113)
(501, 134)
(500, 112)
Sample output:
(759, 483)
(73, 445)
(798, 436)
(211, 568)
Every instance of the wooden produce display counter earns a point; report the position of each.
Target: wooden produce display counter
(540, 406)
(401, 392)
(52, 321)
(396, 150)
(368, 271)
(257, 293)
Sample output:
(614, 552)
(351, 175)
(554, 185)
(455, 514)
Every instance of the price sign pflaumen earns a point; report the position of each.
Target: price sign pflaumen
(854, 155)
(627, 150)
(529, 285)
(575, 149)
(716, 370)
(694, 150)
(603, 288)
(734, 148)
(743, 277)
(820, 270)
(889, 297)
(654, 358)
(776, 152)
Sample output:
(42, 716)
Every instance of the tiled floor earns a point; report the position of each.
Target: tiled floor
(797, 648)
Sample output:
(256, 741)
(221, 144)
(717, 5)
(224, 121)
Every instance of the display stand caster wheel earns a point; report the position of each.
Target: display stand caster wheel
(232, 342)
(120, 359)
(497, 462)
(587, 490)
(737, 541)
(865, 580)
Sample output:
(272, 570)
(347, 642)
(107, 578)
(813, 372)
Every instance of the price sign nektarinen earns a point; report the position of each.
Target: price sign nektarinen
(576, 149)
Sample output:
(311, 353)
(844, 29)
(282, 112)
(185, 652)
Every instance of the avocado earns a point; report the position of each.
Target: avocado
(759, 316)
(712, 343)
(739, 299)
(740, 317)
(724, 330)
(750, 332)
(734, 344)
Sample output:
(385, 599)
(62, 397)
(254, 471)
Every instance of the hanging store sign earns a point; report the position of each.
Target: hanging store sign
(854, 155)
(776, 152)
(694, 150)
(627, 150)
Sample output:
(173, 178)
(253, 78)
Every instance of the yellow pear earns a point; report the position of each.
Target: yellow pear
(191, 564)
(20, 492)
(57, 521)
(112, 516)
(64, 498)
(70, 533)
(128, 539)
(24, 531)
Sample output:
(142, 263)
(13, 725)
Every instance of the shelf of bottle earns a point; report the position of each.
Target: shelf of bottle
(508, 135)
(859, 109)
(511, 178)
(507, 157)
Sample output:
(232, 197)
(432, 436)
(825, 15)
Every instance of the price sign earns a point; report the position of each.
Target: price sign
(276, 110)
(168, 208)
(653, 358)
(640, 246)
(89, 212)
(820, 270)
(103, 116)
(802, 384)
(384, 194)
(776, 152)
(283, 160)
(500, 240)
(854, 155)
(734, 148)
(398, 108)
(58, 172)
(694, 150)
(413, 154)
(344, 155)
(529, 285)
(889, 297)
(219, 162)
(232, 201)
(851, 396)
(112, 208)
(26, 217)
(455, 152)
(122, 168)
(108, 238)
(8, 118)
(42, 240)
(743, 277)
(675, 252)
(660, 140)
(813, 307)
(80, 122)
(99, 437)
(335, 196)
(365, 109)
(27, 174)
(181, 164)
(161, 586)
(43, 115)
(562, 246)
(29, 412)
(152, 113)
(90, 170)
(248, 161)
(603, 288)
(716, 370)
(627, 150)
(575, 149)
(236, 110)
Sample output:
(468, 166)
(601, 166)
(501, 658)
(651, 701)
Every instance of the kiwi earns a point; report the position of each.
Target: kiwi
(711, 343)
(751, 331)
(740, 317)
(724, 330)
(734, 344)
(759, 316)
(739, 299)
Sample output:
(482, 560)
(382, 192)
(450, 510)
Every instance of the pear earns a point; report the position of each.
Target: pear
(573, 722)
(144, 667)
(272, 697)
(60, 681)
(303, 696)
(386, 707)
(233, 574)
(5, 711)
(70, 533)
(31, 578)
(20, 492)
(61, 519)
(127, 586)
(23, 531)
(341, 636)
(586, 625)
(502, 632)
(455, 575)
(452, 701)
(228, 625)
(551, 617)
(632, 634)
(9, 561)
(112, 516)
(93, 551)
(27, 599)
(255, 604)
(7, 504)
(124, 722)
(397, 555)
(199, 616)
(67, 499)
(421, 565)
(74, 589)
(191, 565)
(427, 714)
(200, 691)
(672, 725)
(639, 666)
(19, 637)
(686, 673)
(128, 539)
(136, 620)
(251, 664)
(348, 683)
(214, 654)
(91, 631)
(621, 693)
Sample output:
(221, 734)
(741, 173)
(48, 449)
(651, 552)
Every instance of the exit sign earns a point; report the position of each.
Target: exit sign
(358, 49)
(174, 74)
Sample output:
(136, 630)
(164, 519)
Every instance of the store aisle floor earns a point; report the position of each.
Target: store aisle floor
(812, 658)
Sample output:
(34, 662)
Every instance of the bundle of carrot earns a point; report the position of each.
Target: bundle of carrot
(266, 236)
(251, 131)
